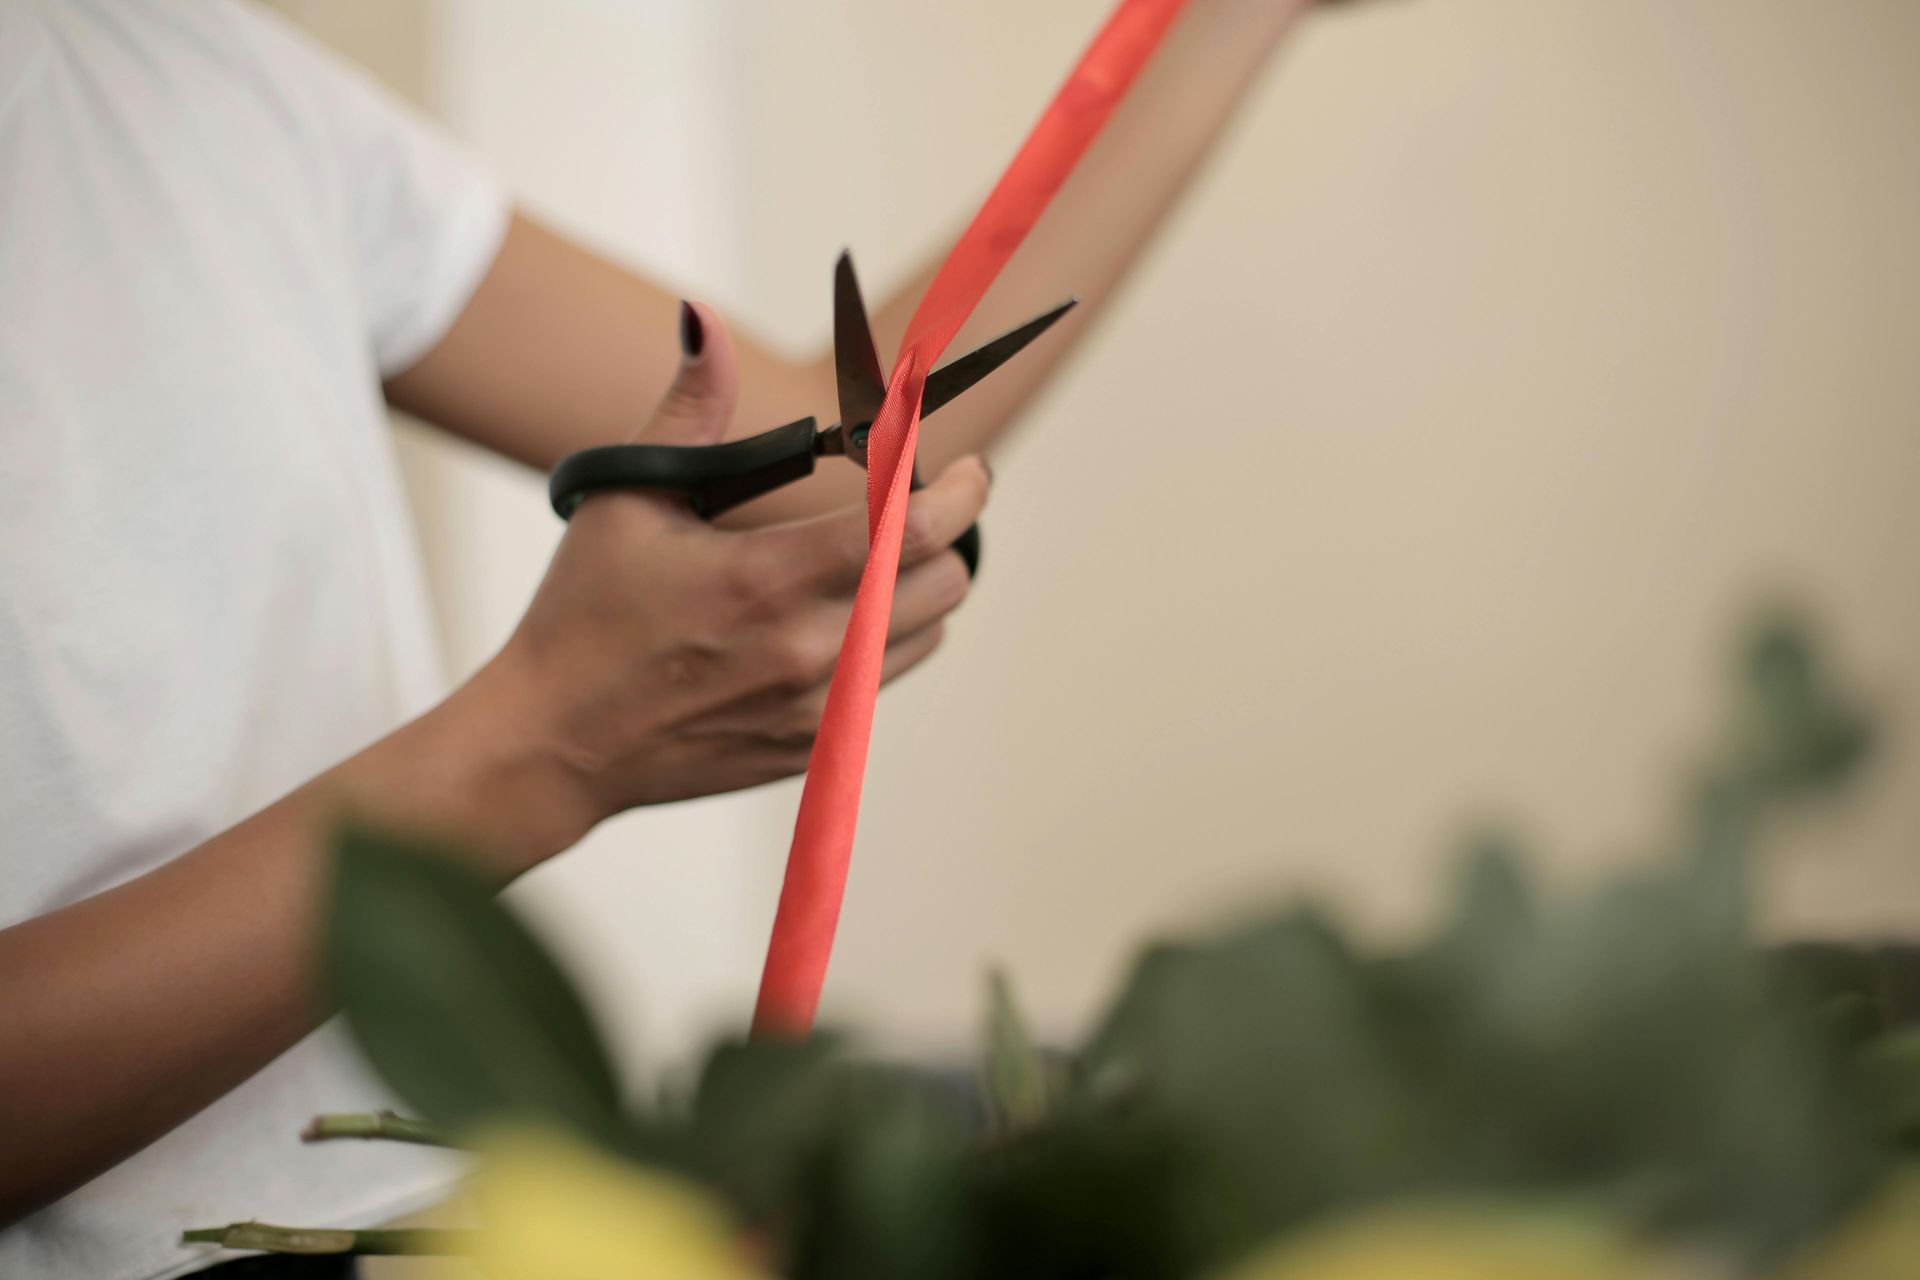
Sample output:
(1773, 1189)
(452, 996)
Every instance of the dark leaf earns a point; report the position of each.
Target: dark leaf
(454, 1002)
(888, 1199)
(1892, 1071)
(762, 1114)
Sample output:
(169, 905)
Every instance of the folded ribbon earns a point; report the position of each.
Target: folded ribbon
(816, 879)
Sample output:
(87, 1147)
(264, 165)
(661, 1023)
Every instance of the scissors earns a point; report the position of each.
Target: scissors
(718, 477)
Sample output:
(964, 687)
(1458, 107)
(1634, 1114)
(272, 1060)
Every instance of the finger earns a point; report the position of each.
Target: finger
(927, 593)
(909, 651)
(945, 509)
(699, 404)
(828, 553)
(786, 720)
(905, 651)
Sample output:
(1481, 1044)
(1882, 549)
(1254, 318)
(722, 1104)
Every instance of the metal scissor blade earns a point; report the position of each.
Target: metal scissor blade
(950, 379)
(856, 362)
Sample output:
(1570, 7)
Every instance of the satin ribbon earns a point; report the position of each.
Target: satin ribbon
(817, 863)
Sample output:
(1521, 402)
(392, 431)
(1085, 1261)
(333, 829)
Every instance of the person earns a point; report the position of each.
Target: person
(222, 256)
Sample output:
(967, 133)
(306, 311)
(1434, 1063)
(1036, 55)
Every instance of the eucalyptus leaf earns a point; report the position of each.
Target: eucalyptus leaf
(454, 1002)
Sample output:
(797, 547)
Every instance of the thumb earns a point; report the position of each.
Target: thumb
(699, 404)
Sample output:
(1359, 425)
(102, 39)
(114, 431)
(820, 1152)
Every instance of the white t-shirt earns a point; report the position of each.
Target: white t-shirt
(214, 242)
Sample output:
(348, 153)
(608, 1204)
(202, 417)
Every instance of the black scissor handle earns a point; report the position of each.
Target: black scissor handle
(712, 477)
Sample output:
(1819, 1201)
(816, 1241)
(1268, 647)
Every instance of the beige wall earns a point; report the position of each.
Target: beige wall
(1511, 350)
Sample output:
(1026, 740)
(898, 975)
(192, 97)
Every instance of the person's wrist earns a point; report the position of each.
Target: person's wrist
(482, 772)
(530, 791)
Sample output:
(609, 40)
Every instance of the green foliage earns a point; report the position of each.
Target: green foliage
(456, 1004)
(1631, 1049)
(1014, 1073)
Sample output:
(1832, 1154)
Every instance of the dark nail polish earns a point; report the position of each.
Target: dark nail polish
(693, 335)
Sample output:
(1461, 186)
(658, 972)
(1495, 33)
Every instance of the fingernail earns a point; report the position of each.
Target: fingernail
(693, 334)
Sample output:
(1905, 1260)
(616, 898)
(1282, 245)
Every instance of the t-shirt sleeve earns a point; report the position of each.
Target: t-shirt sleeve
(424, 220)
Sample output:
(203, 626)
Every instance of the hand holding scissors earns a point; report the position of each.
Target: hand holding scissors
(718, 477)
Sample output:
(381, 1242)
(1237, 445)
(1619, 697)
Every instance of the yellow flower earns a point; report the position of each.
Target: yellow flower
(555, 1209)
(1882, 1242)
(1467, 1241)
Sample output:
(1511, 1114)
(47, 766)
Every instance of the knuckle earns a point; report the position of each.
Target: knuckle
(802, 564)
(952, 584)
(756, 587)
(694, 662)
(804, 658)
(920, 533)
(827, 562)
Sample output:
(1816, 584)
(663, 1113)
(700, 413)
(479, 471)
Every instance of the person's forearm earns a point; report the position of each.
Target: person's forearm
(560, 348)
(123, 1015)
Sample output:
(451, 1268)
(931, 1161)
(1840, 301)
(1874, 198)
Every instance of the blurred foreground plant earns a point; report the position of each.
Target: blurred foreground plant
(1619, 1085)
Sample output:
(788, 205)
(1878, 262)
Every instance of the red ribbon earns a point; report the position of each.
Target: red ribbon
(816, 879)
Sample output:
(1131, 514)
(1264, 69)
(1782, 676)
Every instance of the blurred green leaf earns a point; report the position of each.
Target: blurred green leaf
(454, 1002)
(1013, 1071)
(1265, 1052)
(763, 1111)
(1892, 1071)
(887, 1200)
(1792, 731)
